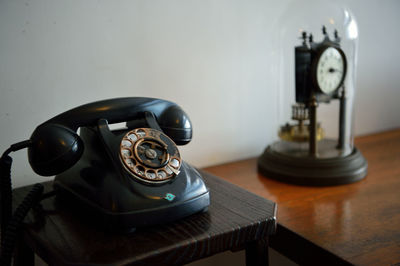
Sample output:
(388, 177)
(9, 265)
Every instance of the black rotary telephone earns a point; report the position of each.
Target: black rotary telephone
(124, 178)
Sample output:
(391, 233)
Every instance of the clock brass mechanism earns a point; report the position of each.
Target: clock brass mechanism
(299, 132)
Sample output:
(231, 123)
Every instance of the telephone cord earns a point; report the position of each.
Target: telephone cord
(6, 193)
(10, 225)
(11, 233)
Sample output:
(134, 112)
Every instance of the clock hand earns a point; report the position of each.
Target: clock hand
(331, 70)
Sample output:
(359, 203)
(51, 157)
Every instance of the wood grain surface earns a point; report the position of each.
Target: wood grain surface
(236, 219)
(357, 223)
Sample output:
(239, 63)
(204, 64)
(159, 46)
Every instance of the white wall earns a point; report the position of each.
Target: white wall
(212, 57)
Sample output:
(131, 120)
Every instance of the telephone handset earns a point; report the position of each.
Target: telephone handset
(56, 145)
(123, 178)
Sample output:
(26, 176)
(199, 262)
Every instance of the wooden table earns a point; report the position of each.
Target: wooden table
(347, 224)
(236, 219)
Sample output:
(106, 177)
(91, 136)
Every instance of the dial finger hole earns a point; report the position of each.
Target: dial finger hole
(174, 163)
(168, 170)
(126, 153)
(132, 137)
(140, 170)
(126, 144)
(131, 163)
(161, 174)
(151, 174)
(141, 133)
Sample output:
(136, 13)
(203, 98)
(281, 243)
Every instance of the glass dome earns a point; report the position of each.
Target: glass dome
(315, 48)
(309, 23)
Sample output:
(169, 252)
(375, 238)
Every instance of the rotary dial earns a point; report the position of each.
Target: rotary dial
(149, 155)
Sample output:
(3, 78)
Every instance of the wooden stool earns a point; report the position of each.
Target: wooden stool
(236, 220)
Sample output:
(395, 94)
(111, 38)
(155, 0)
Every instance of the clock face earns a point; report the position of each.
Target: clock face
(331, 68)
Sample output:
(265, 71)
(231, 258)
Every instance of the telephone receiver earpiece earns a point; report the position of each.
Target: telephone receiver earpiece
(174, 122)
(54, 149)
(56, 146)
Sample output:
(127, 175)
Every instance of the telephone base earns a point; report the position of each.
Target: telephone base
(128, 222)
(119, 203)
(102, 186)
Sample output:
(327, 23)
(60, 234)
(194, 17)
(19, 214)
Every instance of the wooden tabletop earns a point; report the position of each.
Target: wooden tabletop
(236, 219)
(357, 223)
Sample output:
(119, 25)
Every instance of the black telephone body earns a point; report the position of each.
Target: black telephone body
(123, 178)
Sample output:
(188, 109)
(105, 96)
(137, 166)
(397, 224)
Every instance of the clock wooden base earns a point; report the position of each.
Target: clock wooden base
(312, 171)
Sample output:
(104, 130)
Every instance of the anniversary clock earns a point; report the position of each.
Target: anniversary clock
(305, 154)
